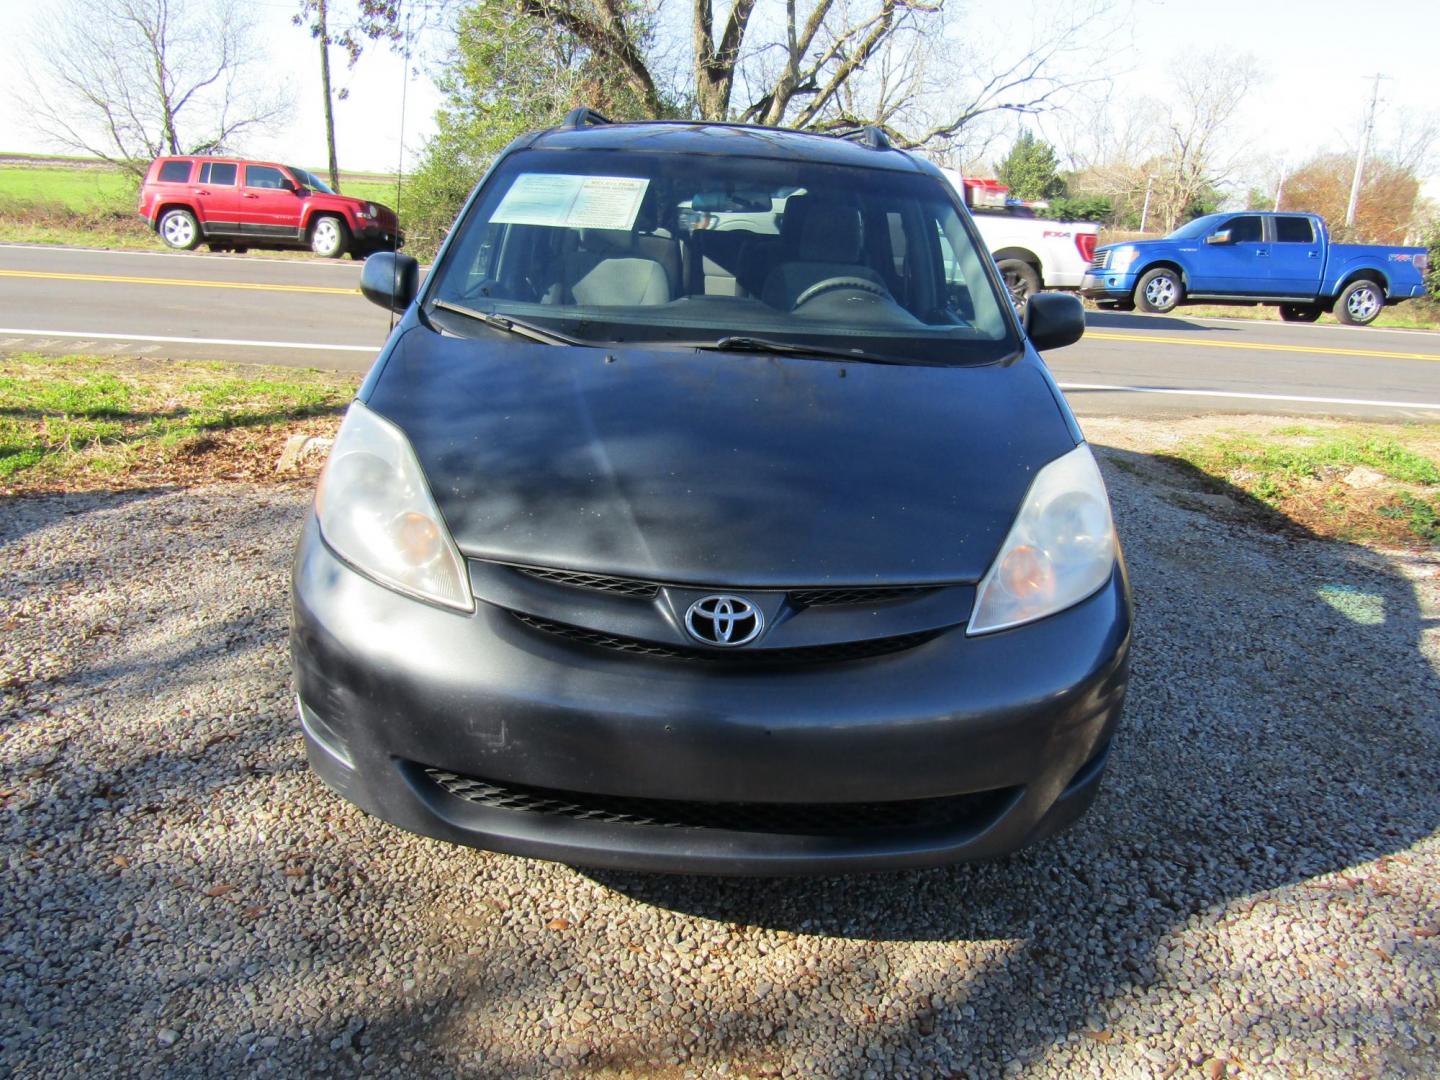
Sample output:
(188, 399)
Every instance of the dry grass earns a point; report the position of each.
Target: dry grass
(90, 423)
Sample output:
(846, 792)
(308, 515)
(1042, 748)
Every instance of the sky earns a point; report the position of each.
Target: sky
(1318, 57)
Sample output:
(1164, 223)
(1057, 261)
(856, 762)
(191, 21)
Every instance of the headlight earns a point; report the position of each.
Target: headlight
(1121, 258)
(1060, 549)
(376, 511)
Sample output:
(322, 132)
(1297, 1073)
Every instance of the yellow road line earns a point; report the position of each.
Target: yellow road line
(1158, 339)
(179, 282)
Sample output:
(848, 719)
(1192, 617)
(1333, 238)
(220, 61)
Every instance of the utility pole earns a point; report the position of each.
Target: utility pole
(1145, 210)
(1280, 187)
(1360, 157)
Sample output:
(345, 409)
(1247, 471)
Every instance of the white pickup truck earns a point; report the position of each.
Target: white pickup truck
(1031, 252)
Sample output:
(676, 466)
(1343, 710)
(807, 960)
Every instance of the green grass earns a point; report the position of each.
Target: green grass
(1417, 314)
(1361, 482)
(80, 421)
(78, 190)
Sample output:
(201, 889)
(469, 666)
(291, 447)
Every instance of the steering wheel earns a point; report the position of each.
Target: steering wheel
(859, 284)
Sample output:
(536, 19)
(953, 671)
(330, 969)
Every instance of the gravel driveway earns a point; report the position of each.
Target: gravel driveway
(1256, 893)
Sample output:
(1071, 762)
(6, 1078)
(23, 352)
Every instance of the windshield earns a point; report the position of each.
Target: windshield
(687, 249)
(310, 180)
(1197, 228)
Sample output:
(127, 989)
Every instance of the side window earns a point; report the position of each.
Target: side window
(218, 172)
(174, 172)
(1294, 230)
(1245, 230)
(263, 176)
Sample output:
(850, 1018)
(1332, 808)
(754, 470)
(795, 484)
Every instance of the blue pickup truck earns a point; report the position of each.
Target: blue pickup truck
(1254, 258)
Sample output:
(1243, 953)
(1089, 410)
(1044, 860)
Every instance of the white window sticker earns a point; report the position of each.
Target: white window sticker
(572, 202)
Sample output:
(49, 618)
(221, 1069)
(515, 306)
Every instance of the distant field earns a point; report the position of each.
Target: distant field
(83, 190)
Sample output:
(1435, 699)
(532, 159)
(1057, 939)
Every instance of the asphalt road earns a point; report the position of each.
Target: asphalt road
(307, 312)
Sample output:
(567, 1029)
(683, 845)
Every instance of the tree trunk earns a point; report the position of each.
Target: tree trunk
(329, 102)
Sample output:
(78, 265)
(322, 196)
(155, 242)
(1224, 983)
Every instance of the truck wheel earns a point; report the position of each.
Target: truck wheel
(328, 237)
(179, 229)
(1022, 281)
(1300, 312)
(1158, 291)
(1359, 303)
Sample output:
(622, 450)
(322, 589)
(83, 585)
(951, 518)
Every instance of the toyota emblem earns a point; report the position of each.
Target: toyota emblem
(724, 620)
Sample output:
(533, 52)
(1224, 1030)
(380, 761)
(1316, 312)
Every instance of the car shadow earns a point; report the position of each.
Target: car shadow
(1279, 730)
(1126, 320)
(1280, 734)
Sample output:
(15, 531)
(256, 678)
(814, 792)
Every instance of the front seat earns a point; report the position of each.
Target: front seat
(606, 270)
(820, 238)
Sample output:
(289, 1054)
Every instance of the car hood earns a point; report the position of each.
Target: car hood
(720, 468)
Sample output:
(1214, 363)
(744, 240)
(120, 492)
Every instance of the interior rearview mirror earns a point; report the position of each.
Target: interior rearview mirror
(390, 280)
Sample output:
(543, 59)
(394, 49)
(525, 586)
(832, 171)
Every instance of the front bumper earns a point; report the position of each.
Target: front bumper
(1107, 286)
(409, 710)
(380, 237)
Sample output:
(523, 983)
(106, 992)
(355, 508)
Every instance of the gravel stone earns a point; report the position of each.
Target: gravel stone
(1254, 894)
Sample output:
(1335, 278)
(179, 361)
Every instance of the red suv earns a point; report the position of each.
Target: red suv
(234, 204)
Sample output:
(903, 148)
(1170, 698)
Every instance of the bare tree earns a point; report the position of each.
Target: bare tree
(832, 64)
(1208, 90)
(128, 80)
(348, 29)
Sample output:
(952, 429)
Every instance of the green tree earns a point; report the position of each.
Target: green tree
(508, 74)
(1031, 170)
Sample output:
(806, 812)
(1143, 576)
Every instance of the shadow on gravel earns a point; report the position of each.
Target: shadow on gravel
(20, 515)
(1280, 726)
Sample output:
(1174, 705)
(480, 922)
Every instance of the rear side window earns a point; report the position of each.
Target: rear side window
(218, 172)
(263, 176)
(174, 172)
(1294, 230)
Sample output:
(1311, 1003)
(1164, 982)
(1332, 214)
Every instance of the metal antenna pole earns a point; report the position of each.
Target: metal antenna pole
(400, 155)
(1360, 157)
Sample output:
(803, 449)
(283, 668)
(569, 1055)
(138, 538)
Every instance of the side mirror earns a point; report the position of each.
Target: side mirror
(390, 280)
(1053, 320)
(1221, 237)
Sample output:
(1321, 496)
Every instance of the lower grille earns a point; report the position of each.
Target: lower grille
(809, 654)
(806, 819)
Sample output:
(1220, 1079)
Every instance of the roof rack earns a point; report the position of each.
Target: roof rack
(868, 135)
(584, 117)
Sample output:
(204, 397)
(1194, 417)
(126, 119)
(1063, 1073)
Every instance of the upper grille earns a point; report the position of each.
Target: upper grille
(825, 597)
(1100, 261)
(812, 819)
(602, 582)
(807, 654)
(645, 590)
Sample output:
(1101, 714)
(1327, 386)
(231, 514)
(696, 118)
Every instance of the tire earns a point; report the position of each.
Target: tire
(329, 237)
(1359, 303)
(178, 229)
(1021, 279)
(1115, 305)
(1159, 291)
(1300, 312)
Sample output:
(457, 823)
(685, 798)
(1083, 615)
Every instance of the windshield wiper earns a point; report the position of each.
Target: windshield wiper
(511, 325)
(745, 343)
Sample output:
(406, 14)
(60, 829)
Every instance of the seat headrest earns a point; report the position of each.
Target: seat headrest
(607, 240)
(819, 229)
